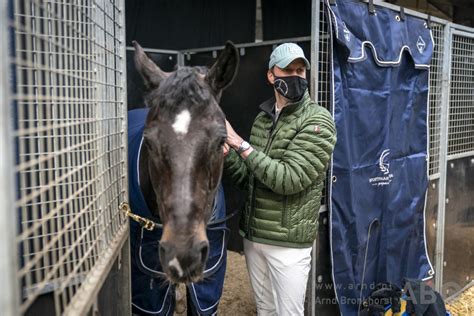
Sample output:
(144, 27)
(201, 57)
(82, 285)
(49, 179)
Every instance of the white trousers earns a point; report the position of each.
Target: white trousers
(279, 276)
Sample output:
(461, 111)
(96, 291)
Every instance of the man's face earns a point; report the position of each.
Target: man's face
(296, 68)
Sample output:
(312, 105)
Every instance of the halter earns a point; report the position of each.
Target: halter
(150, 225)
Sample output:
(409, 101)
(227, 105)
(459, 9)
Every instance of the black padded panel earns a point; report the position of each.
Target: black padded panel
(286, 19)
(240, 104)
(171, 24)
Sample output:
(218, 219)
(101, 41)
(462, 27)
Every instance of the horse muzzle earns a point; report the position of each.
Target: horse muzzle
(184, 264)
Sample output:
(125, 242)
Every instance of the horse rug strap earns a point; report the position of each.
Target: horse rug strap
(151, 293)
(380, 71)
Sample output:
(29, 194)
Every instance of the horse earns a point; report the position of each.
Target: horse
(181, 156)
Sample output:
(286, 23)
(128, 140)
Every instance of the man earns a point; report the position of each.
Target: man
(283, 170)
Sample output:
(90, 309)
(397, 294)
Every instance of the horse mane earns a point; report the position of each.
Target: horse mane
(183, 89)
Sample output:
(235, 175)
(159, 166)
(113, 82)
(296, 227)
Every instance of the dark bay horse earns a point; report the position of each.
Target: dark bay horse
(180, 164)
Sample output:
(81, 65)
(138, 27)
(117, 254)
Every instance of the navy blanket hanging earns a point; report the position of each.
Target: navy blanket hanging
(151, 293)
(380, 81)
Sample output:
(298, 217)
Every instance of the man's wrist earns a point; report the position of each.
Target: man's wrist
(243, 147)
(244, 155)
(234, 143)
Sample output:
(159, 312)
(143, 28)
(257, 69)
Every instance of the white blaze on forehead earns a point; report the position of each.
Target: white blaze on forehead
(175, 263)
(181, 122)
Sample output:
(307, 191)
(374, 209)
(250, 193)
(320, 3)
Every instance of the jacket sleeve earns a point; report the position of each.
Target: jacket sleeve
(235, 168)
(305, 159)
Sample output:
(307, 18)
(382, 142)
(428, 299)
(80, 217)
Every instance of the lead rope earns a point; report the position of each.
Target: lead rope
(144, 222)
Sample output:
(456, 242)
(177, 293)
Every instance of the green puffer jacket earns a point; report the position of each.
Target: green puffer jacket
(285, 173)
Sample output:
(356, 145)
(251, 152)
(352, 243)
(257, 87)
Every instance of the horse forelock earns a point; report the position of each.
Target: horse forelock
(184, 102)
(183, 89)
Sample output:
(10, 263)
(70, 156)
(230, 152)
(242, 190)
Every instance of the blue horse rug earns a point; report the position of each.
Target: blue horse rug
(380, 82)
(151, 293)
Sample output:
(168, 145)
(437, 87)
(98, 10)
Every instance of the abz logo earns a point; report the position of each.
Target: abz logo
(347, 34)
(281, 86)
(420, 44)
(384, 166)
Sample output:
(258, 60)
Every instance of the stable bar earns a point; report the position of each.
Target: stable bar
(443, 153)
(315, 13)
(9, 291)
(244, 45)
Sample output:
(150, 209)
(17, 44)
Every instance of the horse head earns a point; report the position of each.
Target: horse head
(182, 157)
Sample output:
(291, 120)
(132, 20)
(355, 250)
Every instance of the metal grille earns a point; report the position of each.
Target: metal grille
(68, 107)
(461, 103)
(324, 59)
(435, 97)
(323, 97)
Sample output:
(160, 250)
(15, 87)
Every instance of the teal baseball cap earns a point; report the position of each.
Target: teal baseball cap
(285, 53)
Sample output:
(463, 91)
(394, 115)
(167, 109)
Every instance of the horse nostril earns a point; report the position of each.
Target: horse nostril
(204, 251)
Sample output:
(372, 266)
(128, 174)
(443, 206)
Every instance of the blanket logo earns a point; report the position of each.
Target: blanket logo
(420, 44)
(382, 164)
(384, 167)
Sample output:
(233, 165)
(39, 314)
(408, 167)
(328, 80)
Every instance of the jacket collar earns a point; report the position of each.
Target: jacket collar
(269, 106)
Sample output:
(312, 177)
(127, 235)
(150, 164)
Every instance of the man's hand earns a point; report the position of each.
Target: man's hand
(233, 139)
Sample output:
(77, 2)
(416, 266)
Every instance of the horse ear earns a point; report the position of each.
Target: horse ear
(224, 70)
(152, 74)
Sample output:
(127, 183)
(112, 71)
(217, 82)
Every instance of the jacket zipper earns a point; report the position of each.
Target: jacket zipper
(252, 204)
(252, 201)
(284, 218)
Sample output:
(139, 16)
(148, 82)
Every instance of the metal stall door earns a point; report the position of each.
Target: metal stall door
(68, 150)
(450, 170)
(455, 267)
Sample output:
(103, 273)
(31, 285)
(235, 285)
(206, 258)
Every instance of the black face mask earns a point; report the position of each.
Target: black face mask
(291, 87)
